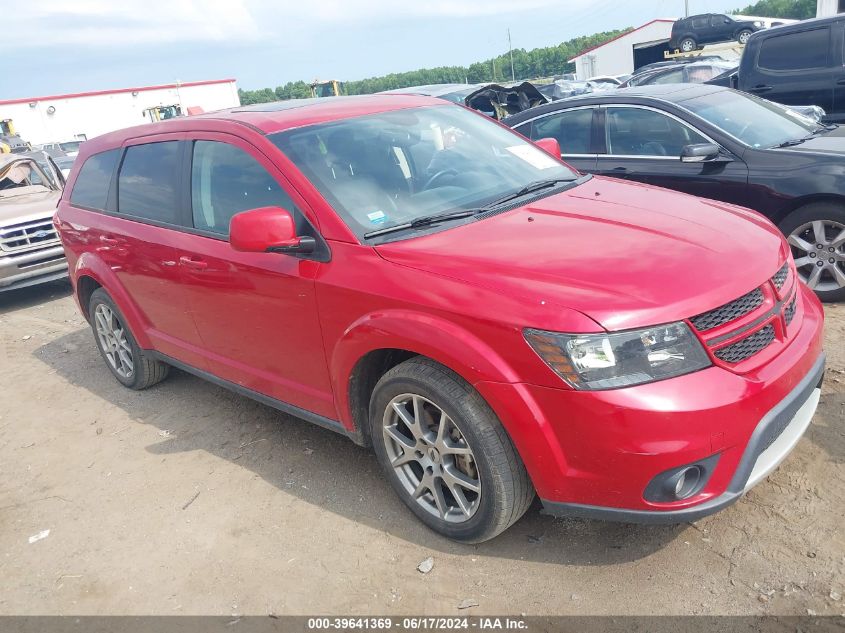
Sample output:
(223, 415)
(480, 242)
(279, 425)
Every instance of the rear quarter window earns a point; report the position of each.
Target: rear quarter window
(149, 181)
(802, 50)
(91, 188)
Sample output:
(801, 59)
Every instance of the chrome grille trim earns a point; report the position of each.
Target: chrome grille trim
(19, 237)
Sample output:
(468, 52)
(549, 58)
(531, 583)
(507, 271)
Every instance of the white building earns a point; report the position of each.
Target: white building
(83, 115)
(825, 8)
(625, 52)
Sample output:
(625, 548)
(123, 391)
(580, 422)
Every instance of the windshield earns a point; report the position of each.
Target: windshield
(392, 168)
(751, 120)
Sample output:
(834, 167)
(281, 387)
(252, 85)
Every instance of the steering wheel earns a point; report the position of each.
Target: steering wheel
(436, 176)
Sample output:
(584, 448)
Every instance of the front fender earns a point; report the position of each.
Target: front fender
(89, 265)
(464, 353)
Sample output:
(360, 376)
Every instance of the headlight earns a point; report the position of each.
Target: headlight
(620, 359)
(758, 23)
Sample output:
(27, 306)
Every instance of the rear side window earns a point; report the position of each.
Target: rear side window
(572, 129)
(795, 51)
(700, 23)
(92, 185)
(225, 180)
(148, 184)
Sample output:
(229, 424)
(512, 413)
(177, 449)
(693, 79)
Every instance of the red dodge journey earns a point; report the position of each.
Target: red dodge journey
(419, 278)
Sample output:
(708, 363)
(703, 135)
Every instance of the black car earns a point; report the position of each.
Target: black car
(693, 32)
(797, 64)
(716, 143)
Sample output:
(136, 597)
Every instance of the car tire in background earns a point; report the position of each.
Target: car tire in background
(127, 362)
(688, 45)
(743, 35)
(445, 452)
(816, 235)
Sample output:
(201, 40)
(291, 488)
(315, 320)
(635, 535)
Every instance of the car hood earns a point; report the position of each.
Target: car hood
(625, 254)
(28, 206)
(832, 143)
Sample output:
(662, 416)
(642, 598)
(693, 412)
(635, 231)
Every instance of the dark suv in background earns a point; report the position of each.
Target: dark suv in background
(797, 64)
(693, 32)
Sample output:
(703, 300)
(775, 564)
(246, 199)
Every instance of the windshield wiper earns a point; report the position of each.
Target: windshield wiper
(822, 129)
(426, 220)
(531, 187)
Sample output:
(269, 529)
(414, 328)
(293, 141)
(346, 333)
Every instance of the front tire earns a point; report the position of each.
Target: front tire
(445, 452)
(127, 362)
(816, 235)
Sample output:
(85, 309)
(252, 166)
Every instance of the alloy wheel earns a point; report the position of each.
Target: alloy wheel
(819, 251)
(743, 37)
(113, 341)
(687, 46)
(431, 458)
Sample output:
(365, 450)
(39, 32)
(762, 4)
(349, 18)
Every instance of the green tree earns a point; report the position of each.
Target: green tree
(528, 64)
(789, 9)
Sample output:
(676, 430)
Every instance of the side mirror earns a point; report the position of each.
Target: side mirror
(267, 230)
(699, 152)
(549, 145)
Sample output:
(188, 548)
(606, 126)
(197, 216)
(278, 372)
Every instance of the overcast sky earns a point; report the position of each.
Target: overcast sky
(58, 46)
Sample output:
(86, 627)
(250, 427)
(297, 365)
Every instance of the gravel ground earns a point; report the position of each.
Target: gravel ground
(189, 499)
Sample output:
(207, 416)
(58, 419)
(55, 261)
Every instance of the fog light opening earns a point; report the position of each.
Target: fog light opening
(686, 482)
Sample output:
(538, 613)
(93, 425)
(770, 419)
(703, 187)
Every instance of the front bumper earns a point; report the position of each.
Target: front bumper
(773, 439)
(32, 267)
(596, 453)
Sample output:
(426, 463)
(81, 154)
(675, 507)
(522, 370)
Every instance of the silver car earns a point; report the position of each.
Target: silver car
(30, 251)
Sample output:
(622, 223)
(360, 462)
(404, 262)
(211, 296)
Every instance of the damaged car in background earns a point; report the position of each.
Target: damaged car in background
(494, 100)
(30, 251)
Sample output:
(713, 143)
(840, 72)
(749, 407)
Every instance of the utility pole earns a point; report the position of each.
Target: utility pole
(686, 8)
(510, 49)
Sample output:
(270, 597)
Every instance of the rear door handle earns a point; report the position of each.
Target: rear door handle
(196, 264)
(109, 241)
(761, 88)
(620, 170)
(840, 82)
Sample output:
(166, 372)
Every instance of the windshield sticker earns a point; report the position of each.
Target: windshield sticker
(533, 156)
(377, 217)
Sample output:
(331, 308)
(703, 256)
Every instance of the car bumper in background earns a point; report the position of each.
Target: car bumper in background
(33, 267)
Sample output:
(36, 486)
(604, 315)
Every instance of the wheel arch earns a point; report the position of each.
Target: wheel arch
(377, 342)
(91, 273)
(799, 203)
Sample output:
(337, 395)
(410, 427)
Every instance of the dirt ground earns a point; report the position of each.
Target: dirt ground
(189, 499)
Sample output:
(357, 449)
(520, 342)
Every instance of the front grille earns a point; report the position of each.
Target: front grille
(747, 347)
(789, 313)
(728, 312)
(780, 276)
(19, 237)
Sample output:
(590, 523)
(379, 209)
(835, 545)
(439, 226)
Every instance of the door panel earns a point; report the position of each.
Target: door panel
(256, 312)
(645, 145)
(793, 69)
(138, 243)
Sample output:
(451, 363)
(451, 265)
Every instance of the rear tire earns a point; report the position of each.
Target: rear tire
(131, 365)
(688, 45)
(453, 444)
(820, 224)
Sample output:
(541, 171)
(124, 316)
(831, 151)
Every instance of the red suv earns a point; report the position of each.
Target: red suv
(419, 278)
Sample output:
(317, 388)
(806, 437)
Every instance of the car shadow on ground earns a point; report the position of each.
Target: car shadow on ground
(324, 468)
(22, 298)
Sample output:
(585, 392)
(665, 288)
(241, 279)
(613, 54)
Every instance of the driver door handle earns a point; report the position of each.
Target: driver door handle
(195, 264)
(761, 88)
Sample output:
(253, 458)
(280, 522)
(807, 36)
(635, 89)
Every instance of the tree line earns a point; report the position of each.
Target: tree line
(538, 62)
